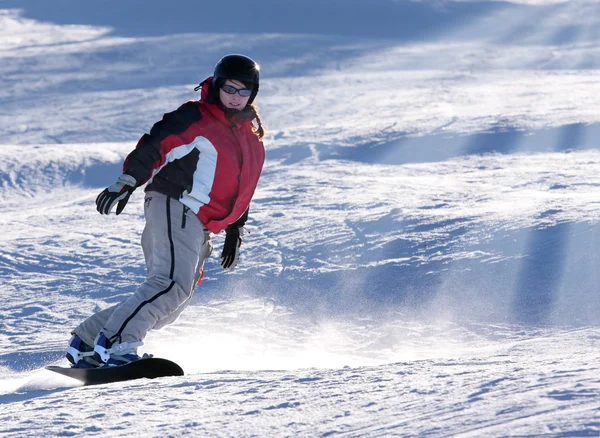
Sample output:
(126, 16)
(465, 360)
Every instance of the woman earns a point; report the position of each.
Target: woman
(201, 164)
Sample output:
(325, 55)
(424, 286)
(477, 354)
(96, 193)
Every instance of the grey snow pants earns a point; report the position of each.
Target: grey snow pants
(175, 245)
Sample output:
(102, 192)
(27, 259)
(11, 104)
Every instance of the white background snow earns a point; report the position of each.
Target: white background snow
(424, 247)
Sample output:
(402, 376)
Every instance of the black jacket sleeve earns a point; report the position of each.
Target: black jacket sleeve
(240, 222)
(147, 155)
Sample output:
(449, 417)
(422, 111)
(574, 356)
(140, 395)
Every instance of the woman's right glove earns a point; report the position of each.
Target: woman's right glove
(118, 193)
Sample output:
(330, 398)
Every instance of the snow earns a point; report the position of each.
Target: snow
(423, 247)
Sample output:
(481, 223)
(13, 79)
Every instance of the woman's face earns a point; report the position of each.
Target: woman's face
(233, 101)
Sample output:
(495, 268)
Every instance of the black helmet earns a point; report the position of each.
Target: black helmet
(237, 67)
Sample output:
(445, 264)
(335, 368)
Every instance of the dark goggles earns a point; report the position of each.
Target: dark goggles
(244, 92)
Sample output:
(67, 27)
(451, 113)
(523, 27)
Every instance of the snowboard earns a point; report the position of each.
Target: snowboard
(150, 368)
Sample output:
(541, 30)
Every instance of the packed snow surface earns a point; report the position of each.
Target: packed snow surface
(423, 249)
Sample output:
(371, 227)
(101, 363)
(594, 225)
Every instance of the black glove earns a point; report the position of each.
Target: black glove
(119, 193)
(231, 247)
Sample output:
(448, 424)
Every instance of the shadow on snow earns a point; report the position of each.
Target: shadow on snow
(547, 274)
(405, 21)
(435, 148)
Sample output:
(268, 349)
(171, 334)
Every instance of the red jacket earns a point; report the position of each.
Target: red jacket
(208, 159)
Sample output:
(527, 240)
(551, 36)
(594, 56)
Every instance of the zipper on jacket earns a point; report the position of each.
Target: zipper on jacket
(232, 128)
(183, 217)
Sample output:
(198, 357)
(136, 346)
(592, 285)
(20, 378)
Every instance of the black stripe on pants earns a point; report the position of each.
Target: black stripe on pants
(161, 293)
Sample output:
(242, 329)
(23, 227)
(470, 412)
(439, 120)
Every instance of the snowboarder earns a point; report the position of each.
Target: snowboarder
(201, 164)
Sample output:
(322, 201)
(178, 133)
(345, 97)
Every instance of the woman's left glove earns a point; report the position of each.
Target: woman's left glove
(118, 193)
(231, 247)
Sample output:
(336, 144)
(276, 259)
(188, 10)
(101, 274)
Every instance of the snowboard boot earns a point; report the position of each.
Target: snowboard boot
(80, 354)
(113, 354)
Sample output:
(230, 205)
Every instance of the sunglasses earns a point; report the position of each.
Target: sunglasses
(244, 92)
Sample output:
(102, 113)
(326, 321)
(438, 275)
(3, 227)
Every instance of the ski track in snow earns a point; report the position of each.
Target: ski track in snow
(422, 257)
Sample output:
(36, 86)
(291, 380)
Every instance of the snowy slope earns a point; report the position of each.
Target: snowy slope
(423, 247)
